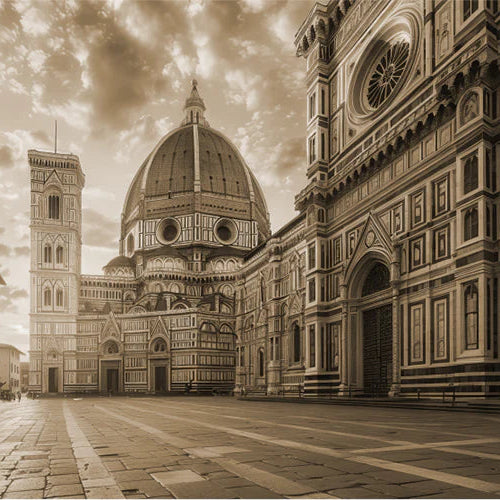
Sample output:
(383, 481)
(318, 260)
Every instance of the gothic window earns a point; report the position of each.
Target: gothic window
(471, 316)
(331, 346)
(111, 348)
(47, 254)
(441, 243)
(312, 346)
(323, 146)
(377, 279)
(159, 346)
(59, 254)
(296, 343)
(417, 252)
(312, 105)
(54, 206)
(312, 149)
(242, 356)
(261, 363)
(469, 7)
(47, 297)
(416, 333)
(440, 330)
(471, 223)
(59, 298)
(387, 73)
(470, 174)
(440, 196)
(312, 290)
(418, 208)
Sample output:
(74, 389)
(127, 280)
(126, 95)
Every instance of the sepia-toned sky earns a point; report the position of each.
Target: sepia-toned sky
(115, 75)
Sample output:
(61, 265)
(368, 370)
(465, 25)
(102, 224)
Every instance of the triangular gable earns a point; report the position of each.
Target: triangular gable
(51, 344)
(53, 178)
(262, 318)
(373, 236)
(295, 306)
(111, 328)
(159, 329)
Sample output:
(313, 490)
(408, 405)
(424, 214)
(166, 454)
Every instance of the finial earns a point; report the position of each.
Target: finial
(194, 107)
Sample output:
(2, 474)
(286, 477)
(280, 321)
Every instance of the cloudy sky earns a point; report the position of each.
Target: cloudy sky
(115, 75)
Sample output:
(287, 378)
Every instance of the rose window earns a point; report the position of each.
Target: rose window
(387, 73)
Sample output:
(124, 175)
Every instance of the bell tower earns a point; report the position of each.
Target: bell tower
(57, 181)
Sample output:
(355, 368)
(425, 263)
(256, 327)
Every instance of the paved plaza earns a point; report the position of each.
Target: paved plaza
(218, 447)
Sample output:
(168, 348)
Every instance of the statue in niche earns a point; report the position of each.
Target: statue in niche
(470, 108)
(444, 40)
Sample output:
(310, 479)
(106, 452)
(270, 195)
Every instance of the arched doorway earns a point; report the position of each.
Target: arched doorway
(377, 331)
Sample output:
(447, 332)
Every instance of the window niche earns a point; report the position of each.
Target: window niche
(471, 311)
(53, 205)
(470, 223)
(471, 173)
(418, 207)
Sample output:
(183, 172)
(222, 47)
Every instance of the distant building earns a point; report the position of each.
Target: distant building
(10, 372)
(25, 371)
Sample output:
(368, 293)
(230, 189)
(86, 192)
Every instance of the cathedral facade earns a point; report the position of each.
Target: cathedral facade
(384, 284)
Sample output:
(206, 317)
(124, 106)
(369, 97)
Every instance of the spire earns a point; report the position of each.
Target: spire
(194, 107)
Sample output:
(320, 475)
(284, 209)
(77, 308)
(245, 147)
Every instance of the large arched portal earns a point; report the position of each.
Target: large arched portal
(377, 332)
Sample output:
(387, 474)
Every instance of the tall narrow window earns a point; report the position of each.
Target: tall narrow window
(470, 174)
(59, 255)
(47, 254)
(53, 206)
(471, 316)
(470, 224)
(312, 255)
(47, 297)
(312, 149)
(296, 343)
(59, 298)
(469, 7)
(261, 363)
(312, 346)
(322, 101)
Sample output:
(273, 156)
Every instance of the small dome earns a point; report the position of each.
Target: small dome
(120, 266)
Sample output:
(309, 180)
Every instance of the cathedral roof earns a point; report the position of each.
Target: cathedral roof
(120, 261)
(191, 162)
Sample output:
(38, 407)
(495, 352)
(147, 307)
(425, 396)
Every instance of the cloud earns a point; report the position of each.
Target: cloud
(7, 156)
(9, 295)
(22, 251)
(99, 230)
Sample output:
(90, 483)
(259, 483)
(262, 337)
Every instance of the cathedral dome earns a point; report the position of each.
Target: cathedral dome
(195, 169)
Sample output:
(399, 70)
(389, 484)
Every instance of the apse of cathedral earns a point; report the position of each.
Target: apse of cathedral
(384, 284)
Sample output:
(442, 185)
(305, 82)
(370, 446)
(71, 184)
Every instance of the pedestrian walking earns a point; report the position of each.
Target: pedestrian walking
(19, 396)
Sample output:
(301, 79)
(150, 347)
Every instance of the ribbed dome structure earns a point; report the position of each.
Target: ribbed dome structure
(195, 169)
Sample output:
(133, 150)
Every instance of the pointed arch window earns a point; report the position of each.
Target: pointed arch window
(471, 316)
(47, 297)
(47, 254)
(470, 174)
(261, 363)
(296, 343)
(471, 223)
(54, 202)
(59, 298)
(59, 255)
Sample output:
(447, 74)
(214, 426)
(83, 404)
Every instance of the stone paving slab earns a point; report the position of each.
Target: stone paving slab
(121, 452)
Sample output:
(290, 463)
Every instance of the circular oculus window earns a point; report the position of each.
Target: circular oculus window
(385, 75)
(226, 231)
(168, 231)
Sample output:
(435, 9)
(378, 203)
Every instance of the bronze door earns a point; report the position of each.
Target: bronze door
(112, 380)
(377, 350)
(53, 380)
(160, 378)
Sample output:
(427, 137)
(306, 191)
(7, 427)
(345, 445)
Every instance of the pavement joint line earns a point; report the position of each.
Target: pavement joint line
(303, 428)
(89, 463)
(472, 453)
(455, 479)
(273, 482)
(417, 446)
(169, 438)
(366, 424)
